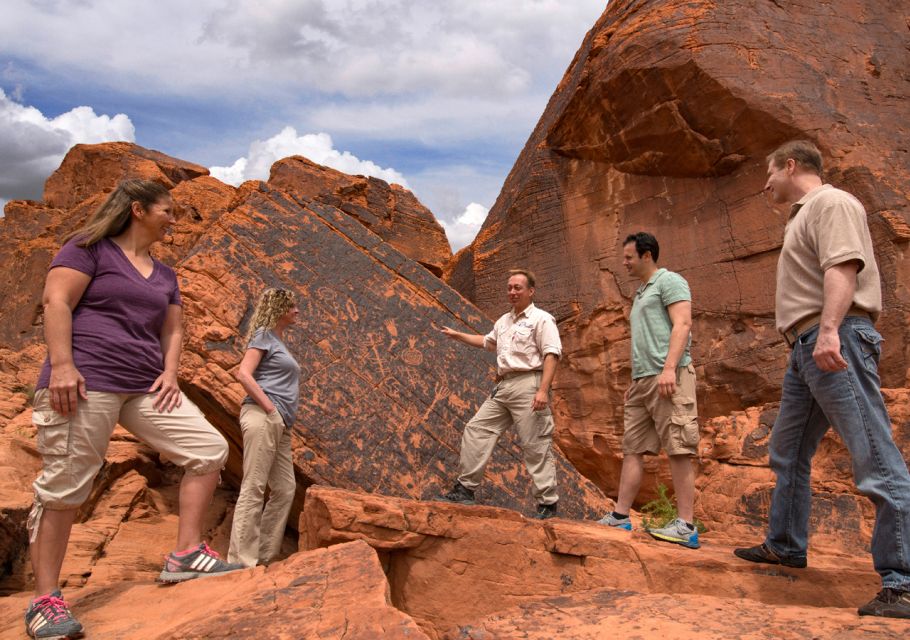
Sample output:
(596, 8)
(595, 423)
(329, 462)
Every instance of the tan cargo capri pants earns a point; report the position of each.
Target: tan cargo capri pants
(73, 447)
(652, 421)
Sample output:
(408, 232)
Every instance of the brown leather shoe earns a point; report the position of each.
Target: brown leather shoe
(889, 603)
(762, 553)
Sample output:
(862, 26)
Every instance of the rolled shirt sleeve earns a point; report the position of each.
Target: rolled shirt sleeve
(548, 337)
(489, 340)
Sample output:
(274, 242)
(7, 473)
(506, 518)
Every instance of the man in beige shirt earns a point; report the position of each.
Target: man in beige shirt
(527, 346)
(828, 296)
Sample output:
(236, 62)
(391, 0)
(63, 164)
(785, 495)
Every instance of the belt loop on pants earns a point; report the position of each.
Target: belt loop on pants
(792, 334)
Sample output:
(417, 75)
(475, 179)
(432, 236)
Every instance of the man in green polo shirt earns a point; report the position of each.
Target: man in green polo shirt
(660, 408)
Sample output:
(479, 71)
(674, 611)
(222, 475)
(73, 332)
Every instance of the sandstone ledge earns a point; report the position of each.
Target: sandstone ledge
(450, 565)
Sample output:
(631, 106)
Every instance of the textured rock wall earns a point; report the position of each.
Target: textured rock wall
(662, 123)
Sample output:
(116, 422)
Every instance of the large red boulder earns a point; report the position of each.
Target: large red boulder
(89, 169)
(662, 123)
(327, 593)
(479, 572)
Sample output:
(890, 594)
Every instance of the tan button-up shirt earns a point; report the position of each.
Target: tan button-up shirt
(826, 227)
(521, 341)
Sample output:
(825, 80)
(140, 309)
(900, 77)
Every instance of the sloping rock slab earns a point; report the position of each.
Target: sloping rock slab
(328, 593)
(384, 395)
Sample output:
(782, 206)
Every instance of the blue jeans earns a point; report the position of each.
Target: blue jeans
(851, 402)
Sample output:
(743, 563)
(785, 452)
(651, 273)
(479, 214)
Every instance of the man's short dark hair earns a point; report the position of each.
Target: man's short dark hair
(523, 272)
(804, 153)
(644, 241)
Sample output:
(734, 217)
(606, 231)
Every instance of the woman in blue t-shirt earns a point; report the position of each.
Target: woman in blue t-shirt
(271, 377)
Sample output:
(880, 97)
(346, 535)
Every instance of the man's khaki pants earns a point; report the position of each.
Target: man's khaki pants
(256, 533)
(510, 404)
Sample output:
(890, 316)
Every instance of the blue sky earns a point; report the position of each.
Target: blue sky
(438, 96)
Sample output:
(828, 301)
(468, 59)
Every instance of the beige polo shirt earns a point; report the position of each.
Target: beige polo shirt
(521, 341)
(826, 227)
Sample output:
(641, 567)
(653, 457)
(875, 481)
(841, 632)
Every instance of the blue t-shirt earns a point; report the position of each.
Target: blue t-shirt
(651, 325)
(278, 374)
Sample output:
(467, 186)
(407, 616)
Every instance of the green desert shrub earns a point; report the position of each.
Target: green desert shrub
(661, 511)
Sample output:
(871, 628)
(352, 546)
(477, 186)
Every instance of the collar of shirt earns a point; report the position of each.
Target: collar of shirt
(796, 206)
(651, 281)
(526, 312)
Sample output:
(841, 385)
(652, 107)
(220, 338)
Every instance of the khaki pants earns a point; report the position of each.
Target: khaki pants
(73, 447)
(511, 404)
(652, 421)
(256, 533)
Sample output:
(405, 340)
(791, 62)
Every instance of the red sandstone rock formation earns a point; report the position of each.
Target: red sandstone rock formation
(480, 572)
(388, 210)
(385, 395)
(662, 123)
(328, 593)
(445, 571)
(90, 169)
(603, 614)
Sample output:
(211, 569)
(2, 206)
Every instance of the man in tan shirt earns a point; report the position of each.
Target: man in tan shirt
(527, 346)
(828, 296)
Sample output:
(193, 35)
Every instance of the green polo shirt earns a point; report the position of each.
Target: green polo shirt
(651, 324)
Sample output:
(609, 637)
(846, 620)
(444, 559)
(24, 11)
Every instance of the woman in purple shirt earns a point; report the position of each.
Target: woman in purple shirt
(112, 322)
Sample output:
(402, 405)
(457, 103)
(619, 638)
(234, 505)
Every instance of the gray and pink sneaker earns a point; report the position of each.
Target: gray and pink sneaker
(50, 617)
(195, 563)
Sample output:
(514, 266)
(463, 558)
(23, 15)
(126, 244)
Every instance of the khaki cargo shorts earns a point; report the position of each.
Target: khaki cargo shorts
(653, 421)
(73, 447)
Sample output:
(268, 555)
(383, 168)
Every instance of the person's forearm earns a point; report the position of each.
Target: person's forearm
(254, 391)
(549, 371)
(171, 343)
(839, 287)
(58, 333)
(472, 339)
(679, 336)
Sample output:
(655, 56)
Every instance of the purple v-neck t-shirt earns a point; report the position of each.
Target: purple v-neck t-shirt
(117, 323)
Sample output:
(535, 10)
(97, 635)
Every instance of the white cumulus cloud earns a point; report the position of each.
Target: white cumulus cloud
(464, 228)
(317, 147)
(33, 145)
